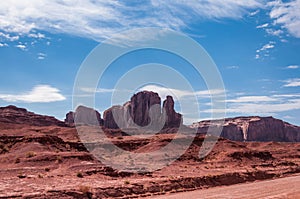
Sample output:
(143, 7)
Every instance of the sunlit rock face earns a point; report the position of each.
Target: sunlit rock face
(254, 129)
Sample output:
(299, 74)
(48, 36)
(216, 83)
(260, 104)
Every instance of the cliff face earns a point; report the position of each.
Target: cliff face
(84, 115)
(143, 110)
(13, 114)
(173, 119)
(254, 129)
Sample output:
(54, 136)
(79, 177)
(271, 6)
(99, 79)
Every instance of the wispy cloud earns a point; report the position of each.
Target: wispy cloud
(233, 67)
(3, 44)
(97, 90)
(286, 14)
(292, 82)
(40, 93)
(264, 50)
(255, 99)
(99, 19)
(22, 46)
(179, 94)
(261, 105)
(263, 26)
(293, 67)
(41, 56)
(8, 36)
(274, 32)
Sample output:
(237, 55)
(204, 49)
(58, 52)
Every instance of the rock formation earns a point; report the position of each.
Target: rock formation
(143, 110)
(13, 114)
(173, 119)
(254, 129)
(84, 115)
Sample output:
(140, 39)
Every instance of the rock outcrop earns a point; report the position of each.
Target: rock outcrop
(173, 119)
(254, 129)
(140, 105)
(13, 114)
(84, 115)
(143, 110)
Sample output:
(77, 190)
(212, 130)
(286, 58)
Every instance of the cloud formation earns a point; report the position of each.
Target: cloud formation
(264, 50)
(293, 67)
(261, 105)
(40, 93)
(180, 94)
(287, 15)
(292, 82)
(99, 19)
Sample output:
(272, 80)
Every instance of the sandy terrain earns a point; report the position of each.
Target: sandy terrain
(283, 188)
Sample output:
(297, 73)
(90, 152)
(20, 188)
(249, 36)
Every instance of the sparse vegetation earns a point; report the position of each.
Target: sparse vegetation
(18, 160)
(79, 175)
(68, 147)
(59, 159)
(21, 175)
(30, 154)
(3, 148)
(85, 189)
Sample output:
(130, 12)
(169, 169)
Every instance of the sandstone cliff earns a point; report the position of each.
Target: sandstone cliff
(84, 115)
(143, 110)
(254, 129)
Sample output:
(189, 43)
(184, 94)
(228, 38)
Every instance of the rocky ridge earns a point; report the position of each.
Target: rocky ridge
(253, 128)
(15, 115)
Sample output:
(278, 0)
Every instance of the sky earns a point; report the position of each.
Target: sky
(255, 45)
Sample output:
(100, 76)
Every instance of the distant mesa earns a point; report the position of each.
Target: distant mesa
(143, 110)
(84, 115)
(15, 115)
(254, 128)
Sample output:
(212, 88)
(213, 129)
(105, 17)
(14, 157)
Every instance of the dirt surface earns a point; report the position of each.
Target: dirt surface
(283, 188)
(51, 162)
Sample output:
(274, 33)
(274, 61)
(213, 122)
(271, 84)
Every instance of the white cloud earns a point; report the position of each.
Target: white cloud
(293, 67)
(232, 67)
(261, 105)
(3, 44)
(263, 25)
(36, 35)
(100, 19)
(97, 90)
(273, 32)
(8, 36)
(179, 94)
(40, 93)
(21, 46)
(287, 15)
(267, 46)
(254, 13)
(41, 56)
(255, 99)
(292, 82)
(264, 50)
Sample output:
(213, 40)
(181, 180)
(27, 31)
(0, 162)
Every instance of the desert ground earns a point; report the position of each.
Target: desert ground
(51, 162)
(283, 188)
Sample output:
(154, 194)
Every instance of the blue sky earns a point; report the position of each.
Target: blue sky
(255, 45)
